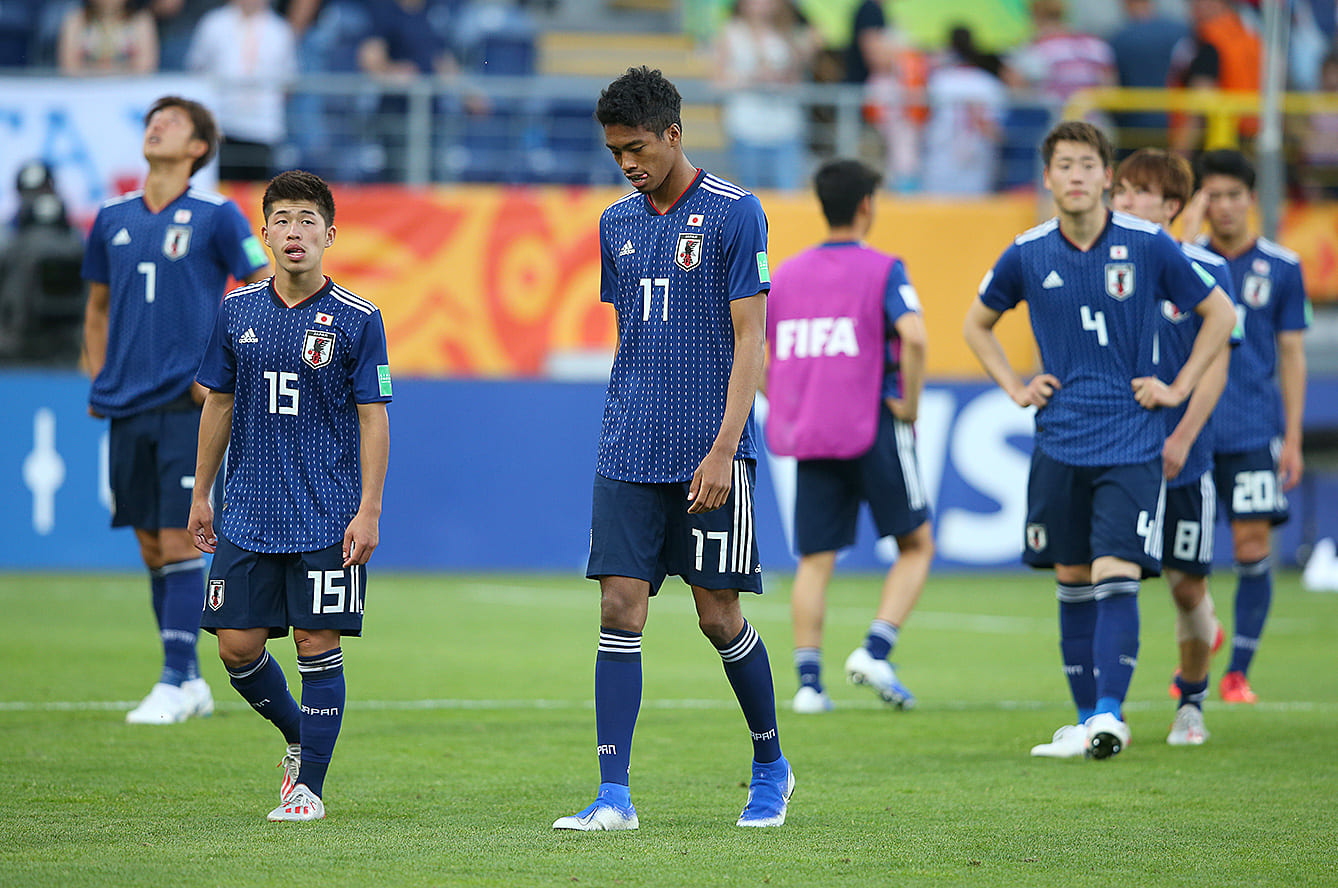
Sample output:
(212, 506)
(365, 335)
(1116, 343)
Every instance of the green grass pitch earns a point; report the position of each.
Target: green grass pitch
(469, 728)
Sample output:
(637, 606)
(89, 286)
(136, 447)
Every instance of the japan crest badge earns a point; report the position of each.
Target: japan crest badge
(318, 348)
(688, 253)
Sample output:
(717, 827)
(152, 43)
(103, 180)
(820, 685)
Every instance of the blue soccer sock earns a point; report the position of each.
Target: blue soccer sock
(1077, 629)
(882, 638)
(617, 701)
(1115, 646)
(1254, 595)
(1192, 693)
(261, 683)
(183, 600)
(749, 673)
(808, 663)
(322, 714)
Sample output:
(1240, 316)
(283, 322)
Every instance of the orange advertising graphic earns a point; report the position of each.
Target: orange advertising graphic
(504, 282)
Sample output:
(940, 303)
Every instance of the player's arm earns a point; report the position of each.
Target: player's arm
(1219, 319)
(96, 313)
(363, 533)
(1201, 405)
(259, 274)
(978, 329)
(910, 329)
(1291, 379)
(714, 475)
(215, 432)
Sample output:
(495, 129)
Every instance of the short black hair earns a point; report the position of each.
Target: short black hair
(299, 185)
(1226, 162)
(1083, 133)
(641, 99)
(841, 184)
(205, 128)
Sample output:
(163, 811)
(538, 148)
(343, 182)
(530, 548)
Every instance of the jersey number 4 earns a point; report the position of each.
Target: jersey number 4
(1095, 322)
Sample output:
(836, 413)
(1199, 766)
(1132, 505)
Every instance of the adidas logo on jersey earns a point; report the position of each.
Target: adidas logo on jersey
(248, 336)
(627, 249)
(1052, 280)
(122, 238)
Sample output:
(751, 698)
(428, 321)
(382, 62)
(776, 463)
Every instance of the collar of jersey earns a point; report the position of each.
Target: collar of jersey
(696, 180)
(1105, 233)
(279, 303)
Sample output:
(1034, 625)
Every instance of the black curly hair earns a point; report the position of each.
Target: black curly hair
(641, 99)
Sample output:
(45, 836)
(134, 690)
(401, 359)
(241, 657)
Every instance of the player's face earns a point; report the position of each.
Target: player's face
(1229, 204)
(1076, 177)
(297, 236)
(1143, 201)
(646, 158)
(170, 135)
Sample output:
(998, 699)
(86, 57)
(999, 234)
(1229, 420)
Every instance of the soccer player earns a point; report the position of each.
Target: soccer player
(157, 264)
(684, 264)
(846, 357)
(298, 383)
(1155, 185)
(1257, 429)
(1093, 282)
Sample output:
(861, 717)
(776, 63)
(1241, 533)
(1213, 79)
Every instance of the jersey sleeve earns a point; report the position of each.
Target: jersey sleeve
(243, 254)
(1294, 310)
(608, 272)
(95, 266)
(370, 370)
(1182, 280)
(900, 297)
(218, 367)
(1001, 288)
(745, 242)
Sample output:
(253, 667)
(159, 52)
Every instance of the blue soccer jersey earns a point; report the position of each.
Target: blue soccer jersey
(1270, 298)
(1094, 314)
(671, 277)
(1171, 349)
(297, 375)
(899, 299)
(166, 272)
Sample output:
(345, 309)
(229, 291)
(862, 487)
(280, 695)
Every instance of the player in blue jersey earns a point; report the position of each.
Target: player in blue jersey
(684, 265)
(157, 264)
(846, 350)
(1257, 427)
(298, 385)
(1155, 185)
(1093, 282)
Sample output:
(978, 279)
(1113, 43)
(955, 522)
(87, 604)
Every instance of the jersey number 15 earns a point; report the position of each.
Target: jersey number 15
(282, 392)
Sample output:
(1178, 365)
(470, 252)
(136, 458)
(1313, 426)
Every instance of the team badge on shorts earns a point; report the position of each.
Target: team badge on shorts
(1120, 280)
(1036, 537)
(688, 253)
(176, 243)
(1255, 290)
(318, 348)
(215, 596)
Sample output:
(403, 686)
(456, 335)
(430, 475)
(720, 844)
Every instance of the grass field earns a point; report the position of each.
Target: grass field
(469, 729)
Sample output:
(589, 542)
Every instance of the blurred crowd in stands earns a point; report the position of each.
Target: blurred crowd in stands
(952, 116)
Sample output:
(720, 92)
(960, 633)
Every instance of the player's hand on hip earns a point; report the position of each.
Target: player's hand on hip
(1151, 392)
(901, 410)
(710, 483)
(1173, 455)
(1039, 391)
(361, 538)
(200, 526)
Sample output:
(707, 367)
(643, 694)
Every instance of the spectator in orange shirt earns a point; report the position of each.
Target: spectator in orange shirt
(1222, 54)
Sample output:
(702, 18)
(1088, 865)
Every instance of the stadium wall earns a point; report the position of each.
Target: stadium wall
(495, 475)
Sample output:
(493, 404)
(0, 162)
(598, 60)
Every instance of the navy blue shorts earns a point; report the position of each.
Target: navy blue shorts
(1191, 511)
(1247, 485)
(305, 590)
(644, 531)
(1076, 514)
(151, 468)
(829, 491)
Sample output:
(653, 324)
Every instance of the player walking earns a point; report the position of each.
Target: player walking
(157, 263)
(298, 384)
(1093, 282)
(846, 348)
(684, 264)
